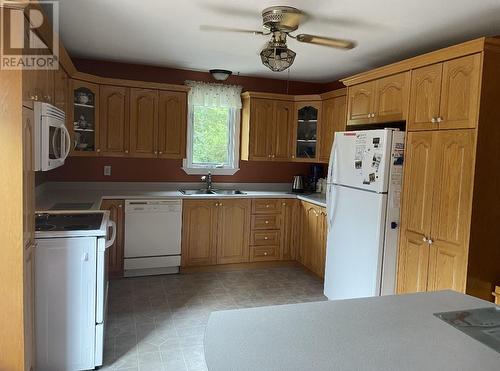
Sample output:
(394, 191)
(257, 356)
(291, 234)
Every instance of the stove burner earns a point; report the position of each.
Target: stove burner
(76, 227)
(45, 227)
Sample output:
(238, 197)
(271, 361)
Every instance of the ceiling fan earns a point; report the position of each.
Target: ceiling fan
(279, 22)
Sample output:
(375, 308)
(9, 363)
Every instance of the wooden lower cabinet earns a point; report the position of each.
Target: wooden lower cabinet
(289, 212)
(233, 230)
(215, 231)
(116, 251)
(312, 240)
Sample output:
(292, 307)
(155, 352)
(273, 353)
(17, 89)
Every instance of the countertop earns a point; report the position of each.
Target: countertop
(93, 193)
(381, 333)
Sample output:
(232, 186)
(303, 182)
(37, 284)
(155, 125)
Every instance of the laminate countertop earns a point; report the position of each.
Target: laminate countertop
(92, 194)
(385, 333)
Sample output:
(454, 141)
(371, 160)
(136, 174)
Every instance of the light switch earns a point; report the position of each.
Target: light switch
(107, 170)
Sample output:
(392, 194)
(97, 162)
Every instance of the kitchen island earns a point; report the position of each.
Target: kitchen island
(380, 333)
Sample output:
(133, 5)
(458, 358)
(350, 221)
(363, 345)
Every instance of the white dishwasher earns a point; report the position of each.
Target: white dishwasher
(152, 237)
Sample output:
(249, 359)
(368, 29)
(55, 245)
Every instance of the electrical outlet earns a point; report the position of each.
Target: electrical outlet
(107, 170)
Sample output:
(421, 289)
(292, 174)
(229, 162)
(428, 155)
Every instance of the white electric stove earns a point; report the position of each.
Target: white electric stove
(71, 287)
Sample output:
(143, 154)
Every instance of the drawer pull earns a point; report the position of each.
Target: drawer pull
(267, 205)
(265, 253)
(266, 238)
(267, 221)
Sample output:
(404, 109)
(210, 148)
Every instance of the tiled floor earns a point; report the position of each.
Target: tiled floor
(158, 323)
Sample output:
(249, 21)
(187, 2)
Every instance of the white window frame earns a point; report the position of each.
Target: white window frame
(234, 142)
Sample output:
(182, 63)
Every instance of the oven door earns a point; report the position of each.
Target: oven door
(56, 143)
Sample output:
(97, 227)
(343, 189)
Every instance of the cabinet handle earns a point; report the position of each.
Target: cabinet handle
(293, 156)
(267, 221)
(98, 150)
(269, 156)
(430, 241)
(120, 206)
(161, 152)
(156, 152)
(265, 253)
(220, 203)
(283, 204)
(47, 98)
(272, 156)
(266, 238)
(433, 120)
(216, 204)
(126, 151)
(439, 119)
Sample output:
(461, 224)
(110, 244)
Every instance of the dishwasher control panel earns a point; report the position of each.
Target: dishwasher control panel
(147, 206)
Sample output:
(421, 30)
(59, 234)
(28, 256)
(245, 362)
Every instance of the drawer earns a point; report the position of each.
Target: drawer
(265, 238)
(266, 221)
(263, 253)
(266, 206)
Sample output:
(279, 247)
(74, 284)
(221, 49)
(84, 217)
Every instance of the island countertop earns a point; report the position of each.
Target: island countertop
(382, 333)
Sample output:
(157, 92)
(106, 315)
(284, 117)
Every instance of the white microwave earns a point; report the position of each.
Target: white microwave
(52, 139)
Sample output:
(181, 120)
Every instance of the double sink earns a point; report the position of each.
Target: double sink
(190, 192)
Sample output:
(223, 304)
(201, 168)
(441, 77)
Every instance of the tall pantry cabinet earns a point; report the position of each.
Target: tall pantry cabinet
(451, 203)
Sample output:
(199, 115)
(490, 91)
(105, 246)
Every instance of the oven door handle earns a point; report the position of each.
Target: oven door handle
(111, 241)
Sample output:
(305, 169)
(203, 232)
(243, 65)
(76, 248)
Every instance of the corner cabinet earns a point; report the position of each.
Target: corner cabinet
(379, 101)
(333, 119)
(306, 131)
(84, 116)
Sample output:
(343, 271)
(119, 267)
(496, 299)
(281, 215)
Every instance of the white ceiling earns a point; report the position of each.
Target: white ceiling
(166, 32)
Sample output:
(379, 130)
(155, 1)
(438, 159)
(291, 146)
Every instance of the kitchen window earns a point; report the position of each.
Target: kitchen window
(213, 129)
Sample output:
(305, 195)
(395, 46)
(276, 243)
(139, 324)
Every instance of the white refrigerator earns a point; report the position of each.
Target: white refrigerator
(363, 201)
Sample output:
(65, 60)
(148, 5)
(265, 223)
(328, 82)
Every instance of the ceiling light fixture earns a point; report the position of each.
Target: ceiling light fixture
(220, 75)
(276, 56)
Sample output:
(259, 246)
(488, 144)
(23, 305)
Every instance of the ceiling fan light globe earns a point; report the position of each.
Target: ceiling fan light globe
(277, 59)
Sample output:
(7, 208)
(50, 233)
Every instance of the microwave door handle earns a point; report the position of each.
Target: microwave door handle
(54, 147)
(67, 145)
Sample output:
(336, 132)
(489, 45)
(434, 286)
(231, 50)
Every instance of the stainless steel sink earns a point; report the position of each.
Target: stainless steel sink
(196, 191)
(229, 192)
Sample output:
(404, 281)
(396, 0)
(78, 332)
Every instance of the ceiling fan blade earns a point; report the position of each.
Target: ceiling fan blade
(229, 29)
(340, 21)
(325, 41)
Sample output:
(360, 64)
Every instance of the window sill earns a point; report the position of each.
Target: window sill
(205, 170)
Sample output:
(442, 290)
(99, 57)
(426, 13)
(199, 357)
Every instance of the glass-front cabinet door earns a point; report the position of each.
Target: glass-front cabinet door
(85, 118)
(306, 131)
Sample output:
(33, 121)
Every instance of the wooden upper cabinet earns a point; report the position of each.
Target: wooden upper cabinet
(114, 121)
(333, 119)
(282, 133)
(416, 213)
(61, 90)
(452, 203)
(425, 96)
(233, 231)
(391, 98)
(460, 92)
(116, 251)
(143, 122)
(172, 124)
(199, 232)
(445, 95)
(84, 118)
(261, 129)
(307, 124)
(360, 103)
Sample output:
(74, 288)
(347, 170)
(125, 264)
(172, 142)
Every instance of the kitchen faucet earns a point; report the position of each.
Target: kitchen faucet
(208, 180)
